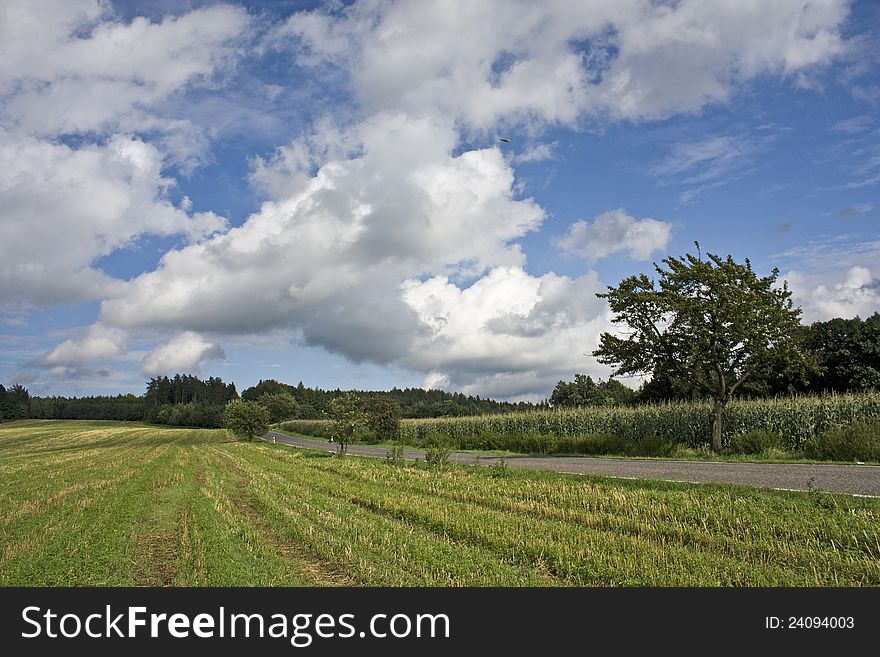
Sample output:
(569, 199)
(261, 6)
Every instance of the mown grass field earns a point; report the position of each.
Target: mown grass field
(101, 503)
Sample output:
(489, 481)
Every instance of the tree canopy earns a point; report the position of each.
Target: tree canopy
(246, 419)
(713, 322)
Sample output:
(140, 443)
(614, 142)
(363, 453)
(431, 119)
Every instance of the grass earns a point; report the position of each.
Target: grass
(680, 453)
(98, 503)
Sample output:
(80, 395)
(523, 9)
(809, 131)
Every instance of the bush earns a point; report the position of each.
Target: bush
(437, 457)
(652, 445)
(754, 442)
(854, 442)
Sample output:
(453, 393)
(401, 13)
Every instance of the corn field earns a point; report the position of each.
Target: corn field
(795, 419)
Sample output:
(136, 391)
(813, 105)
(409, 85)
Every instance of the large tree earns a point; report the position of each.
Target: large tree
(712, 321)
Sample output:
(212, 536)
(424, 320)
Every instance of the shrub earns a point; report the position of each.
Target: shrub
(854, 442)
(652, 445)
(437, 457)
(395, 455)
(599, 443)
(754, 442)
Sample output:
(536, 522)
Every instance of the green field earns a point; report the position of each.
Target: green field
(102, 503)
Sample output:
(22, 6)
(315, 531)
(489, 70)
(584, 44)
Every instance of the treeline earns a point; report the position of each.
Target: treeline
(13, 402)
(182, 400)
(843, 356)
(313, 403)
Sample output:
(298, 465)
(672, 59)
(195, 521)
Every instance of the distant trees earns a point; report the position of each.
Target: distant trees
(847, 352)
(383, 418)
(712, 322)
(413, 402)
(583, 391)
(185, 388)
(839, 355)
(246, 419)
(14, 402)
(281, 406)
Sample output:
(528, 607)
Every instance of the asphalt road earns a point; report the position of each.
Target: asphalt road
(861, 480)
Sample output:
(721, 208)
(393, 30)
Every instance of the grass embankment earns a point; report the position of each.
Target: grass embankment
(120, 504)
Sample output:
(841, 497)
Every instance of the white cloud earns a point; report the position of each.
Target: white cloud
(327, 264)
(553, 61)
(854, 124)
(67, 66)
(536, 153)
(615, 232)
(183, 353)
(847, 293)
(63, 207)
(509, 334)
(405, 207)
(100, 343)
(379, 240)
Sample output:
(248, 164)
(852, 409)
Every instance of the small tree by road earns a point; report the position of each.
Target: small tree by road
(246, 419)
(711, 321)
(348, 420)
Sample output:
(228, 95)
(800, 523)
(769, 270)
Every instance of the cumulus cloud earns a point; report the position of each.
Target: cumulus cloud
(822, 296)
(64, 207)
(85, 137)
(67, 66)
(615, 232)
(99, 343)
(509, 333)
(183, 353)
(327, 264)
(554, 61)
(405, 207)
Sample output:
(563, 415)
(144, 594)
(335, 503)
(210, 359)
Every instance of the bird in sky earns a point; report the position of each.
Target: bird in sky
(504, 140)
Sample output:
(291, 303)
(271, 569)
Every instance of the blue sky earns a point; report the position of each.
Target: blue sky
(316, 191)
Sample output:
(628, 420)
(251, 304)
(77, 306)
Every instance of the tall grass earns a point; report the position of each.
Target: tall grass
(794, 419)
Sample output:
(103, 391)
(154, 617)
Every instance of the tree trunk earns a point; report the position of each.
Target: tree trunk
(717, 419)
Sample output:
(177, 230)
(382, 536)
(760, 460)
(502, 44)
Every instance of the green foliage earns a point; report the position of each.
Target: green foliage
(15, 402)
(281, 406)
(348, 420)
(395, 455)
(854, 442)
(246, 419)
(712, 322)
(651, 445)
(499, 468)
(756, 441)
(437, 456)
(796, 419)
(383, 418)
(583, 391)
(848, 353)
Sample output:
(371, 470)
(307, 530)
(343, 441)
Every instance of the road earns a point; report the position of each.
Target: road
(863, 480)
